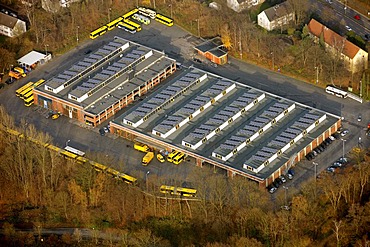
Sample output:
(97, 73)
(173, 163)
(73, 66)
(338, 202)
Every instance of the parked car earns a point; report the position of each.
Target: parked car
(271, 189)
(280, 182)
(367, 37)
(289, 176)
(348, 28)
(332, 138)
(343, 160)
(344, 132)
(359, 118)
(330, 169)
(309, 156)
(337, 164)
(55, 116)
(357, 17)
(102, 131)
(282, 178)
(317, 150)
(275, 184)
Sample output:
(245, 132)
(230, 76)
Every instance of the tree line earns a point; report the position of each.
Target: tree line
(292, 51)
(41, 189)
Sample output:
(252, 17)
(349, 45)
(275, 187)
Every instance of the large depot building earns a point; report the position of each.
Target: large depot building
(212, 119)
(223, 123)
(105, 81)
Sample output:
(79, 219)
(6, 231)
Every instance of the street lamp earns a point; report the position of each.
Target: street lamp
(146, 180)
(78, 27)
(343, 140)
(317, 74)
(286, 202)
(315, 164)
(273, 60)
(46, 49)
(171, 9)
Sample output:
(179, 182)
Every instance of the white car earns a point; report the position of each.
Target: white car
(359, 118)
(349, 28)
(344, 132)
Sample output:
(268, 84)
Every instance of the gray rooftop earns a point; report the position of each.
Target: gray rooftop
(107, 75)
(244, 128)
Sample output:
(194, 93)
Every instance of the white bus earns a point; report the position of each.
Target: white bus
(336, 91)
(147, 12)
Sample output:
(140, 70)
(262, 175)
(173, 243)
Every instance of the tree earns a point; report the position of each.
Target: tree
(225, 36)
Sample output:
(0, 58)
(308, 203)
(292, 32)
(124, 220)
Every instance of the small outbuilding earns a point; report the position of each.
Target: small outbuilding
(211, 49)
(32, 59)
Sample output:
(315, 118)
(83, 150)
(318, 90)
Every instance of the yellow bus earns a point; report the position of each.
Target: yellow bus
(172, 155)
(98, 167)
(134, 24)
(112, 172)
(187, 192)
(68, 155)
(22, 88)
(114, 23)
(127, 179)
(81, 160)
(164, 20)
(178, 158)
(129, 14)
(38, 83)
(100, 31)
(29, 101)
(29, 90)
(127, 27)
(178, 191)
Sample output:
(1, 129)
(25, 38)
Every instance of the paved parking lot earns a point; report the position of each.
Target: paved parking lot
(178, 45)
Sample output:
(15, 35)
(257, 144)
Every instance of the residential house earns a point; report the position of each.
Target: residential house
(355, 59)
(276, 17)
(240, 5)
(11, 26)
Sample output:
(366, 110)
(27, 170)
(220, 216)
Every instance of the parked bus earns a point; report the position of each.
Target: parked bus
(336, 91)
(141, 147)
(134, 24)
(22, 88)
(172, 155)
(147, 12)
(164, 20)
(141, 18)
(127, 179)
(178, 191)
(100, 31)
(130, 13)
(114, 23)
(28, 92)
(127, 27)
(28, 98)
(178, 158)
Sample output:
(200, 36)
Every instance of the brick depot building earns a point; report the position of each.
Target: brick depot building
(105, 81)
(223, 123)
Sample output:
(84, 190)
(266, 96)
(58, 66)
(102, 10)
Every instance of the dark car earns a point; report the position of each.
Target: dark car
(309, 156)
(197, 60)
(291, 172)
(280, 182)
(317, 150)
(323, 146)
(276, 184)
(367, 37)
(357, 17)
(102, 131)
(10, 80)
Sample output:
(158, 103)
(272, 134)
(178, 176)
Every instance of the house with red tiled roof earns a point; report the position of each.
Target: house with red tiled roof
(355, 59)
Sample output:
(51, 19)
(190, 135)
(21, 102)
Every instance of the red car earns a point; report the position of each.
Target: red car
(357, 17)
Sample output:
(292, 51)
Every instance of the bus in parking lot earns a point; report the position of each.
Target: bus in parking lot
(100, 31)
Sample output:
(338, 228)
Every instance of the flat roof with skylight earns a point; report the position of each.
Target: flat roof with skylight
(108, 74)
(226, 122)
